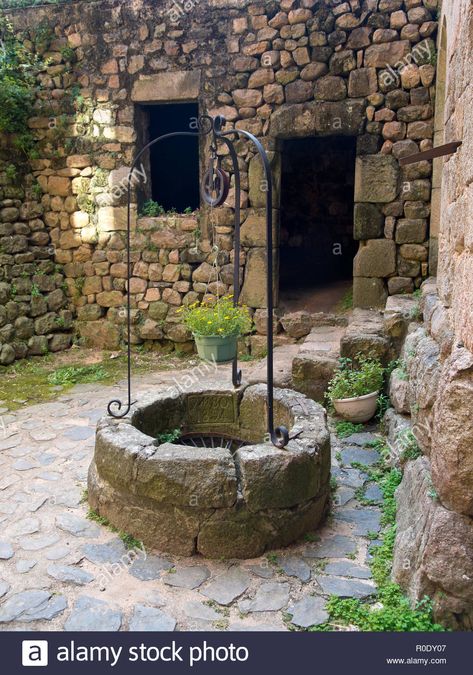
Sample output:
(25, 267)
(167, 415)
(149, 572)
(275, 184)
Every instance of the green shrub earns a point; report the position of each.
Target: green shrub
(356, 377)
(217, 318)
(152, 209)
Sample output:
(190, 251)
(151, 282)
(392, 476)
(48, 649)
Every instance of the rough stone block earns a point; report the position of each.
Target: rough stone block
(167, 86)
(409, 231)
(452, 460)
(318, 117)
(433, 553)
(362, 82)
(376, 178)
(368, 222)
(375, 258)
(383, 55)
(253, 292)
(369, 292)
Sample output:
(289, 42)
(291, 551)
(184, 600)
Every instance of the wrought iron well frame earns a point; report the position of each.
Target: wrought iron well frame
(214, 126)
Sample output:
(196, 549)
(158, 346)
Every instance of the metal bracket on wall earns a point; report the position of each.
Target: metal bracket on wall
(439, 151)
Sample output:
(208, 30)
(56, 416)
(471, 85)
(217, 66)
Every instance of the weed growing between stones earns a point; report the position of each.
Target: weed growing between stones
(344, 429)
(408, 442)
(128, 539)
(390, 609)
(169, 436)
(39, 379)
(71, 375)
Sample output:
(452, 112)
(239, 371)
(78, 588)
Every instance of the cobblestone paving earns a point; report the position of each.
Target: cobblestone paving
(61, 571)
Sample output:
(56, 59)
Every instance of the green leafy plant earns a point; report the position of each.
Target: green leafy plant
(346, 303)
(390, 609)
(356, 377)
(70, 375)
(128, 539)
(37, 191)
(68, 54)
(219, 317)
(11, 173)
(415, 314)
(344, 429)
(188, 210)
(383, 402)
(152, 209)
(169, 436)
(18, 69)
(409, 444)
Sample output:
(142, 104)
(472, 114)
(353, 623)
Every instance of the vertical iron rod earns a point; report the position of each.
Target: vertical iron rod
(279, 435)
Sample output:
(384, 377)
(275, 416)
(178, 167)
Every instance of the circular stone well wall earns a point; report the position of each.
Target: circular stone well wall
(232, 503)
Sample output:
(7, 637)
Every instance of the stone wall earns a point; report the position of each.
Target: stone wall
(278, 69)
(34, 317)
(434, 546)
(433, 392)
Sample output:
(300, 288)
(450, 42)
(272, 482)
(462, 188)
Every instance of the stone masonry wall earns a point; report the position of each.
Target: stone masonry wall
(434, 546)
(34, 314)
(278, 69)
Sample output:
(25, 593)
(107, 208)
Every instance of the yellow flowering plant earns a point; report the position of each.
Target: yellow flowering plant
(217, 318)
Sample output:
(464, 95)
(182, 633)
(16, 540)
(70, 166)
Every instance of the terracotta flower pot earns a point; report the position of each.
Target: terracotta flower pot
(357, 409)
(216, 348)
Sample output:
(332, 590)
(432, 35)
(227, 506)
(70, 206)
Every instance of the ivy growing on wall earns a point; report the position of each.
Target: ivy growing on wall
(18, 69)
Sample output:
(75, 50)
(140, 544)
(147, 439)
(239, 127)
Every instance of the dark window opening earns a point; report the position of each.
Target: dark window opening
(316, 237)
(174, 162)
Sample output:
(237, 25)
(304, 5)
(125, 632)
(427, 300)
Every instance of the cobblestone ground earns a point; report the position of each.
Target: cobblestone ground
(61, 571)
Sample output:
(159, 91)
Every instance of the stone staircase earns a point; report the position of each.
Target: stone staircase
(308, 365)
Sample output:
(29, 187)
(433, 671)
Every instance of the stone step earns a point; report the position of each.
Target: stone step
(366, 334)
(283, 358)
(314, 365)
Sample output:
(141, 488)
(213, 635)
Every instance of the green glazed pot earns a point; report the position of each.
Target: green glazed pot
(216, 348)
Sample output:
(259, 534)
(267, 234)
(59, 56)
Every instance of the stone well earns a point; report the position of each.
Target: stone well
(232, 501)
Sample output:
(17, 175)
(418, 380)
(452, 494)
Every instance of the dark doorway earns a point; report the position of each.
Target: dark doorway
(316, 239)
(174, 163)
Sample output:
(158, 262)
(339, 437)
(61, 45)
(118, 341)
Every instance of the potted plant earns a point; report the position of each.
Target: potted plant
(354, 389)
(216, 326)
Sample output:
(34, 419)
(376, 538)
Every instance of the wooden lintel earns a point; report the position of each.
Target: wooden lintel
(439, 151)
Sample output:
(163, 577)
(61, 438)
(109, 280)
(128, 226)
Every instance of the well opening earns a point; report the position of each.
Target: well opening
(316, 236)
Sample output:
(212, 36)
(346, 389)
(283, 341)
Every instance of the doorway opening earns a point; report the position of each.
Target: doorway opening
(173, 163)
(316, 237)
